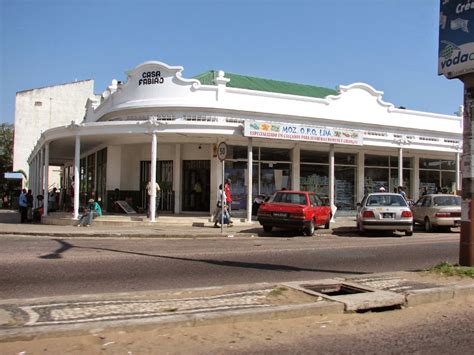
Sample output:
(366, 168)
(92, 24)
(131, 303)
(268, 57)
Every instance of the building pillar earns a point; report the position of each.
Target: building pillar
(41, 174)
(416, 178)
(152, 209)
(77, 161)
(295, 171)
(400, 166)
(249, 179)
(360, 190)
(177, 167)
(332, 182)
(46, 179)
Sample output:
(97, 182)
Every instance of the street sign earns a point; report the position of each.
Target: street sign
(222, 151)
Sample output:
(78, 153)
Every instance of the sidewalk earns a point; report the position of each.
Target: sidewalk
(166, 226)
(75, 315)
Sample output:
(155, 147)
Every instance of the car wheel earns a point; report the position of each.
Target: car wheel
(309, 230)
(428, 225)
(326, 226)
(409, 233)
(267, 229)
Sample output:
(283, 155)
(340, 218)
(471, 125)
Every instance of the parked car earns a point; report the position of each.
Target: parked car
(384, 211)
(437, 210)
(294, 210)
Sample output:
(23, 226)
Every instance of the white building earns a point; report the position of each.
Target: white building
(340, 144)
(40, 109)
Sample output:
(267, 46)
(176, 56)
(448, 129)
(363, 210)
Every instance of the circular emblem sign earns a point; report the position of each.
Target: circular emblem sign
(222, 151)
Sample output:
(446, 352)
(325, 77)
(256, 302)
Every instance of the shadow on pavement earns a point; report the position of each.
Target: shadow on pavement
(65, 246)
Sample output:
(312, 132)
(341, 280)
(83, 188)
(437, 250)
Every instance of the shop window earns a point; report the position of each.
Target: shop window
(430, 163)
(376, 160)
(237, 172)
(274, 177)
(375, 178)
(274, 154)
(240, 152)
(448, 182)
(344, 158)
(406, 162)
(308, 156)
(430, 180)
(345, 187)
(315, 178)
(448, 165)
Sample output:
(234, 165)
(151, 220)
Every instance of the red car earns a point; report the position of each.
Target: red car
(296, 210)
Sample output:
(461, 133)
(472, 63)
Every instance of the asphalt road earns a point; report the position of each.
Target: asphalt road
(41, 266)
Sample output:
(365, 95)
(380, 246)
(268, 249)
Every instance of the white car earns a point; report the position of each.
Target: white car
(437, 210)
(384, 211)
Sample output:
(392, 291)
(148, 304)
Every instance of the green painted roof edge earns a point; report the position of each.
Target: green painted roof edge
(268, 85)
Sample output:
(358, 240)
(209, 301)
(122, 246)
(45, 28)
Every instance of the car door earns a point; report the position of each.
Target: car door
(318, 210)
(416, 209)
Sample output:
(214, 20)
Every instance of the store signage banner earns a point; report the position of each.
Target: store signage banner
(306, 133)
(456, 38)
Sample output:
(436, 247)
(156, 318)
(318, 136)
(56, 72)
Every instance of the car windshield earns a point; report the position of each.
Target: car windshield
(447, 201)
(285, 197)
(386, 200)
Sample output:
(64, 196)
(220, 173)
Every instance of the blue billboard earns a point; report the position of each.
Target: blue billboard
(456, 38)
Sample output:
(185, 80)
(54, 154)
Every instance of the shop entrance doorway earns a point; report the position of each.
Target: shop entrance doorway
(196, 185)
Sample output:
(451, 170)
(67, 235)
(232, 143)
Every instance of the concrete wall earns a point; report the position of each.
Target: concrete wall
(40, 109)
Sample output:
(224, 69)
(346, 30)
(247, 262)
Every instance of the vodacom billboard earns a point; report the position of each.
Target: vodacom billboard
(456, 38)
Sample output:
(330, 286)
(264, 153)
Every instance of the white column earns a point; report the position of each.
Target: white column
(332, 181)
(77, 161)
(416, 178)
(152, 210)
(360, 191)
(400, 166)
(458, 171)
(249, 179)
(41, 174)
(177, 179)
(295, 169)
(32, 179)
(46, 178)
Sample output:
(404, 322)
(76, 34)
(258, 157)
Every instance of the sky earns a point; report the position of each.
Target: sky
(390, 45)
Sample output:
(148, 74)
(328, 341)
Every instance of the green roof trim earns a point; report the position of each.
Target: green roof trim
(268, 85)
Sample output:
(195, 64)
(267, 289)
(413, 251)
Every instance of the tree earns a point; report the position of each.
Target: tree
(6, 153)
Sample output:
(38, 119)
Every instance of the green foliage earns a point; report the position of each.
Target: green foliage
(6, 153)
(448, 269)
(277, 291)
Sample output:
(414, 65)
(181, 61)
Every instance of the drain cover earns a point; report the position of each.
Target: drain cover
(335, 289)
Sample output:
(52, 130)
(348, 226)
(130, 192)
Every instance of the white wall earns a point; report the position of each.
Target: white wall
(40, 109)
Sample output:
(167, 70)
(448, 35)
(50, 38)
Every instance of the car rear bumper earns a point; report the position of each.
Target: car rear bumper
(283, 222)
(387, 225)
(447, 222)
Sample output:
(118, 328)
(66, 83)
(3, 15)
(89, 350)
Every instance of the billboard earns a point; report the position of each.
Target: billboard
(456, 38)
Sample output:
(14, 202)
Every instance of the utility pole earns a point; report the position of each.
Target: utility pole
(456, 48)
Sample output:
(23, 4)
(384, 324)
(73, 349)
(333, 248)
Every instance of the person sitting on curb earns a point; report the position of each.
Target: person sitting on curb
(94, 211)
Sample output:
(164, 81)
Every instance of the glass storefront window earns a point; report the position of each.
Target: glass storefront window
(274, 177)
(429, 179)
(430, 163)
(308, 156)
(394, 183)
(406, 162)
(240, 152)
(274, 154)
(315, 178)
(237, 172)
(344, 158)
(376, 160)
(375, 178)
(448, 182)
(345, 187)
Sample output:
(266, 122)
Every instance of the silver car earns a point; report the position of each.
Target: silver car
(437, 210)
(384, 211)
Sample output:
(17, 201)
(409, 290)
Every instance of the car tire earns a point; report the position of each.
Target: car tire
(409, 233)
(328, 223)
(267, 229)
(360, 230)
(310, 229)
(428, 225)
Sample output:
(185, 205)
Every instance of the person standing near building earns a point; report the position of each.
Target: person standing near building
(228, 194)
(52, 200)
(149, 188)
(23, 205)
(401, 192)
(29, 204)
(221, 197)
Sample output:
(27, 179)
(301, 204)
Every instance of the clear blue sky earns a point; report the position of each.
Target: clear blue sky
(389, 44)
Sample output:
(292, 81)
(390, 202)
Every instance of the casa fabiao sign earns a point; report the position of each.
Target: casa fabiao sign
(302, 133)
